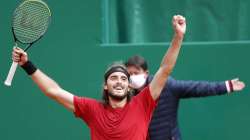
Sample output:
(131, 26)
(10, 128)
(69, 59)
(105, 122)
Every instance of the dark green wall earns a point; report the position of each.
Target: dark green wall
(72, 54)
(140, 21)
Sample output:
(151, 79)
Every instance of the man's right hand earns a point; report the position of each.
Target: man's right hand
(19, 56)
(179, 25)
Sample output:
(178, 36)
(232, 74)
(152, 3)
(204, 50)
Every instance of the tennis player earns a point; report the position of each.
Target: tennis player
(118, 117)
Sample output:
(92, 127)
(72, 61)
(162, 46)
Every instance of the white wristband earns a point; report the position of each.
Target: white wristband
(228, 87)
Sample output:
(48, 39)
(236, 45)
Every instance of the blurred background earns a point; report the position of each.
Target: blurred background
(85, 36)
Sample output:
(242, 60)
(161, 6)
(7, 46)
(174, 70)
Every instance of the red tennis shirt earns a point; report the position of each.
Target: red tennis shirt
(106, 123)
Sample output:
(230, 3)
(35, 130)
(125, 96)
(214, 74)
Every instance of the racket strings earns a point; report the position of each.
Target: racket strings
(31, 20)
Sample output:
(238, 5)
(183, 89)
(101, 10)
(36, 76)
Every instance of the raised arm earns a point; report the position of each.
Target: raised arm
(169, 60)
(48, 86)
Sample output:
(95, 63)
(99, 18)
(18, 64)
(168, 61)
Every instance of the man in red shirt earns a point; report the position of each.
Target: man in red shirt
(118, 117)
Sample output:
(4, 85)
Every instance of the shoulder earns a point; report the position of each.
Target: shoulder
(85, 101)
(144, 93)
(171, 82)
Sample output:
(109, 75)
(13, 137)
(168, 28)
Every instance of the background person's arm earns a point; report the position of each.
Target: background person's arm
(190, 88)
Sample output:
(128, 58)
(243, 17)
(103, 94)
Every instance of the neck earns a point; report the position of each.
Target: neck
(117, 104)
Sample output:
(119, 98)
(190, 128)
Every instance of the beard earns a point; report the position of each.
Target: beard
(117, 97)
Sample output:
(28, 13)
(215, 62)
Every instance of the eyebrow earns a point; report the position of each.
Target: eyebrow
(124, 77)
(115, 76)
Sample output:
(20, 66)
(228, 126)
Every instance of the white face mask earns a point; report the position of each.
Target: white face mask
(137, 81)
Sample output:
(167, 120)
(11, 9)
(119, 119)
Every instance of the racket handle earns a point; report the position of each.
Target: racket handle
(11, 74)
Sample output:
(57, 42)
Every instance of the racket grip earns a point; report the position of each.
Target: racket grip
(11, 74)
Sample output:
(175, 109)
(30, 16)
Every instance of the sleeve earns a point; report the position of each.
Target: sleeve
(84, 108)
(188, 89)
(146, 101)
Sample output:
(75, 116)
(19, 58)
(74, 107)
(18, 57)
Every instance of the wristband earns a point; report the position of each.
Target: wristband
(230, 85)
(29, 68)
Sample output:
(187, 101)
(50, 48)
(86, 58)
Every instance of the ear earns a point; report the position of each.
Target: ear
(147, 72)
(105, 87)
(129, 86)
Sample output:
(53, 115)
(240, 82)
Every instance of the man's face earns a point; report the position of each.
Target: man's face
(138, 77)
(117, 84)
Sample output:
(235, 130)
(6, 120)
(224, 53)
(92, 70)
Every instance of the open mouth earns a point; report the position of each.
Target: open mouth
(118, 88)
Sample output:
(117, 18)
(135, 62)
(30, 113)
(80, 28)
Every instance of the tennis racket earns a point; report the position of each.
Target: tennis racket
(29, 23)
